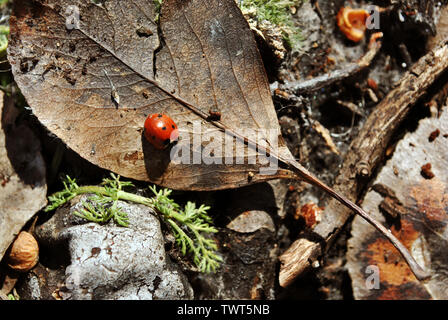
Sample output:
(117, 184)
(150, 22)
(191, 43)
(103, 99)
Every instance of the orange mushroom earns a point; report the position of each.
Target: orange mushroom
(352, 23)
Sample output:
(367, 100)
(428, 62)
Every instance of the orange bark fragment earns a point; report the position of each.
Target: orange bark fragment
(393, 268)
(311, 213)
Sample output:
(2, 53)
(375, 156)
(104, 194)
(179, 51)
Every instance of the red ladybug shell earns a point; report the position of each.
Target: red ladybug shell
(160, 130)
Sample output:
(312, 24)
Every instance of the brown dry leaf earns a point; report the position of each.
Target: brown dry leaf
(207, 58)
(22, 175)
(416, 209)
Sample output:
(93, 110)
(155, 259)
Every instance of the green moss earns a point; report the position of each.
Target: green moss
(275, 11)
(4, 31)
(5, 74)
(278, 13)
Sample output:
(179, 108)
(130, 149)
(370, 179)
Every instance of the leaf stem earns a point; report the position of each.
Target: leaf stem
(418, 271)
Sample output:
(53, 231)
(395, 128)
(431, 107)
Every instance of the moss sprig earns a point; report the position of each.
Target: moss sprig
(278, 13)
(190, 225)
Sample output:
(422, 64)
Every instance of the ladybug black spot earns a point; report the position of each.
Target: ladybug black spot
(164, 128)
(159, 115)
(153, 137)
(172, 126)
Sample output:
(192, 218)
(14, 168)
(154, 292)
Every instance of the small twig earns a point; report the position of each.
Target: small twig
(419, 272)
(348, 132)
(318, 11)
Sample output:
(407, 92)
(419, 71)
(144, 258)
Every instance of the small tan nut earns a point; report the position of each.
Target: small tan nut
(24, 253)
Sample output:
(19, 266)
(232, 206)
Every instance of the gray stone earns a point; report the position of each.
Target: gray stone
(113, 262)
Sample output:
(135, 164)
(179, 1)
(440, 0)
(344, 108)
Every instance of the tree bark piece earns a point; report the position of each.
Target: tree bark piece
(363, 156)
(422, 205)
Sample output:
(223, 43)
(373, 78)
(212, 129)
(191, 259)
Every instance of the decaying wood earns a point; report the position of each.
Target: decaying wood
(309, 250)
(325, 134)
(364, 155)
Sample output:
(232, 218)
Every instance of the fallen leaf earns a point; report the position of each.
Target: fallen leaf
(204, 57)
(23, 187)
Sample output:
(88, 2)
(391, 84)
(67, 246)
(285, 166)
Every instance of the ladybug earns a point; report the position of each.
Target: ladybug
(160, 130)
